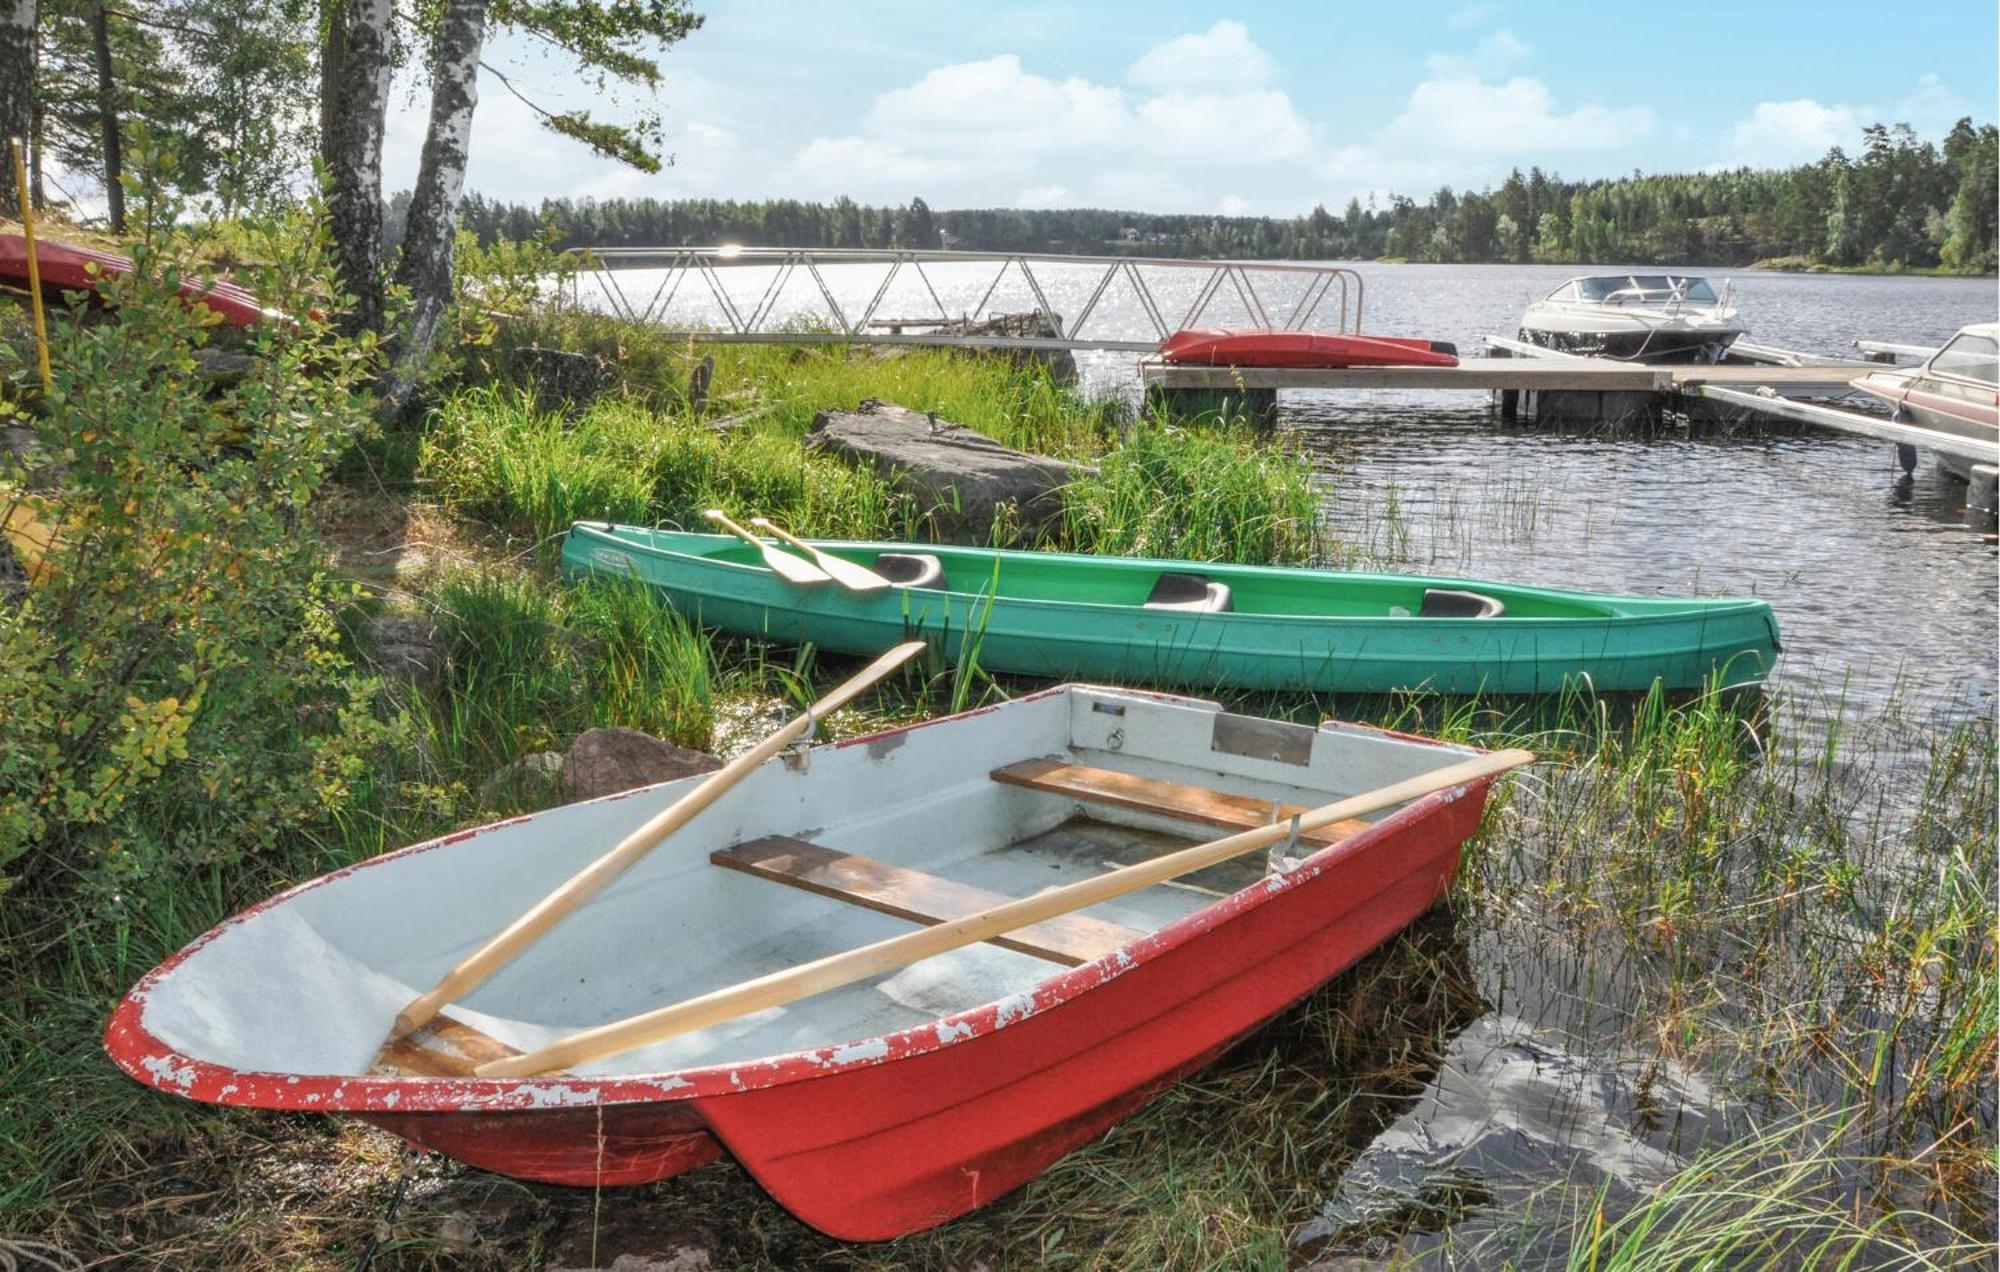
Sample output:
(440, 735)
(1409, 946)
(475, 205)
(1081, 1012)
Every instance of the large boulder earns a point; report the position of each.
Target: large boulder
(403, 647)
(606, 761)
(960, 476)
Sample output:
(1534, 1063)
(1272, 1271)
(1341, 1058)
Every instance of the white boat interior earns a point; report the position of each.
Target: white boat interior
(1635, 317)
(1012, 800)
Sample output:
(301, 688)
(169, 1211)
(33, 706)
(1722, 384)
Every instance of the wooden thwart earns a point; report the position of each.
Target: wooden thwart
(1070, 939)
(775, 989)
(444, 1048)
(1172, 799)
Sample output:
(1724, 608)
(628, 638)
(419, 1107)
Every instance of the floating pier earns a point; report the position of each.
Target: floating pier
(1541, 385)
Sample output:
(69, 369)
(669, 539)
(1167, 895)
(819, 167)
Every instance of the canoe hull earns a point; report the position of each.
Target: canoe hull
(1682, 649)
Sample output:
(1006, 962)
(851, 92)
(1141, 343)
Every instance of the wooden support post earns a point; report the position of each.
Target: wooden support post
(1187, 406)
(1980, 496)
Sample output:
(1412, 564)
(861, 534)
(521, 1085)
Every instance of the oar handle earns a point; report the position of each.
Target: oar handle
(586, 883)
(765, 523)
(835, 970)
(721, 518)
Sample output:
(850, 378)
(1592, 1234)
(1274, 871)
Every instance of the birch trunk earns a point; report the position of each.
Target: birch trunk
(354, 96)
(17, 85)
(425, 267)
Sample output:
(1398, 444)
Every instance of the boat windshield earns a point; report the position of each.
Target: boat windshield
(1973, 357)
(1641, 289)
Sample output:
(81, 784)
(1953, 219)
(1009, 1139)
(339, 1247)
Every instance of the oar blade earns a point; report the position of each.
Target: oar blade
(849, 574)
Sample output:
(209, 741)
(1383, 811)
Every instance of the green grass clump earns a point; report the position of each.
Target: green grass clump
(528, 667)
(492, 455)
(1214, 494)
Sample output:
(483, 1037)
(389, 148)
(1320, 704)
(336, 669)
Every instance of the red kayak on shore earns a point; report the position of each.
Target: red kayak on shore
(1304, 349)
(65, 268)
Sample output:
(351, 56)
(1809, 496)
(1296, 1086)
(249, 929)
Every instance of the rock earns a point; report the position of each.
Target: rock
(962, 477)
(698, 380)
(405, 648)
(530, 780)
(560, 378)
(220, 367)
(606, 761)
(1061, 363)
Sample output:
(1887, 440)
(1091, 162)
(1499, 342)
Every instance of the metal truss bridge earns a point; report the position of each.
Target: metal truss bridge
(777, 295)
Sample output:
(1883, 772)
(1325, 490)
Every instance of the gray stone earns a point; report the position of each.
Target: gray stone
(530, 780)
(606, 761)
(961, 477)
(561, 378)
(219, 366)
(404, 647)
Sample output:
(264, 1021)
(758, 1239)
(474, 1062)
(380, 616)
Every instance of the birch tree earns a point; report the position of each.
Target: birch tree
(355, 95)
(425, 266)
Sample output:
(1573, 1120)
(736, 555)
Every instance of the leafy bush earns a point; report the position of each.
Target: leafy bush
(175, 686)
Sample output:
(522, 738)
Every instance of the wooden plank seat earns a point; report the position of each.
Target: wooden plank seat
(444, 1048)
(1072, 939)
(1171, 799)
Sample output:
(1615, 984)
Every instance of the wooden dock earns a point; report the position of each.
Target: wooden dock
(1491, 374)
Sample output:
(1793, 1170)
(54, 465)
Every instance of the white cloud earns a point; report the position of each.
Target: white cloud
(1042, 196)
(997, 104)
(1232, 205)
(1225, 128)
(1502, 48)
(1222, 55)
(1801, 130)
(1469, 15)
(1464, 115)
(1932, 106)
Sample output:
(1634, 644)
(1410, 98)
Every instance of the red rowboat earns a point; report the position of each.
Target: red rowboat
(65, 268)
(1304, 349)
(889, 1104)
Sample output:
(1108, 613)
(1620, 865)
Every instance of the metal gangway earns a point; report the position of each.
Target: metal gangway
(1170, 295)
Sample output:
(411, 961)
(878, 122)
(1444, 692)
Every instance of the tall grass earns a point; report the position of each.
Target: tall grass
(1210, 494)
(528, 667)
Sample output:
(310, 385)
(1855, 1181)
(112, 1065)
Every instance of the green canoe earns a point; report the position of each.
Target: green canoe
(1137, 621)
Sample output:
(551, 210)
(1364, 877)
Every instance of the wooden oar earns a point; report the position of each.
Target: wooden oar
(586, 883)
(835, 970)
(853, 577)
(783, 564)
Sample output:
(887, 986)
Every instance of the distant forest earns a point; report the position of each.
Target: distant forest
(1900, 203)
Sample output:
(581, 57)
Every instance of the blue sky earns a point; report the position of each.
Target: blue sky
(1265, 108)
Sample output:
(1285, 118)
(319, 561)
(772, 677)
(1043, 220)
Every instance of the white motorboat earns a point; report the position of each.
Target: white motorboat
(1634, 318)
(1956, 390)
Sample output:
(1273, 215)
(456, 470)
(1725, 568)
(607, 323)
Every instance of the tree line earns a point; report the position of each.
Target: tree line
(1898, 203)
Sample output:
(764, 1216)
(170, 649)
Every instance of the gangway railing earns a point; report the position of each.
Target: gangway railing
(1271, 295)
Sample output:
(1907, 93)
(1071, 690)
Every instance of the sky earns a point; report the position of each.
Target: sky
(1246, 108)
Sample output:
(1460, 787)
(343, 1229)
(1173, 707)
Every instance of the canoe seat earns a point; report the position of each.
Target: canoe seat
(911, 569)
(1170, 799)
(1070, 939)
(1192, 592)
(1445, 602)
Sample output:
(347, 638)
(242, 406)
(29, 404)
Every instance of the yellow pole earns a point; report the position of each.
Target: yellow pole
(34, 266)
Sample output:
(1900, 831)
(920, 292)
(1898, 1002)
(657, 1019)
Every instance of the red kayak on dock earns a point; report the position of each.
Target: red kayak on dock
(65, 268)
(1304, 349)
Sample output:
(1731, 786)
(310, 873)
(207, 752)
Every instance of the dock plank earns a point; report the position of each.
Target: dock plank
(1534, 374)
(1071, 939)
(1146, 795)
